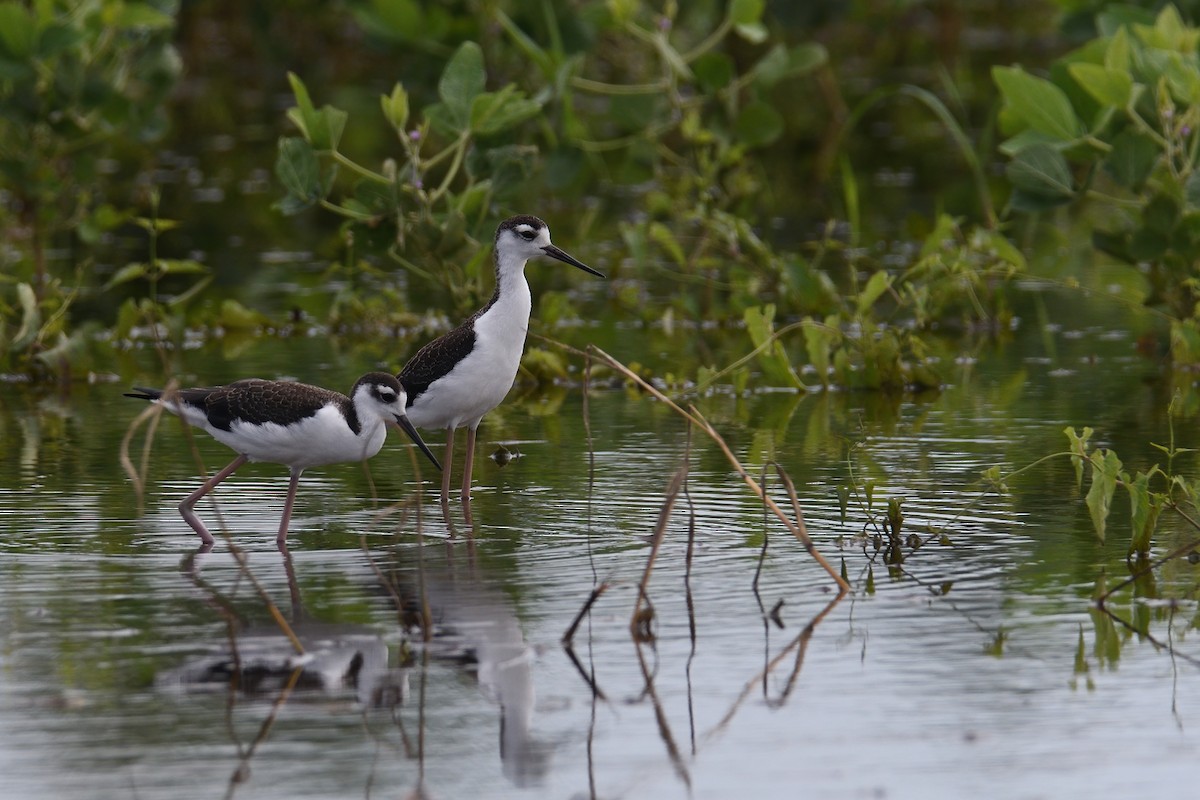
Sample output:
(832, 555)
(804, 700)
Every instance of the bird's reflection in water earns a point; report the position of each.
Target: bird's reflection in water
(474, 624)
(261, 660)
(452, 614)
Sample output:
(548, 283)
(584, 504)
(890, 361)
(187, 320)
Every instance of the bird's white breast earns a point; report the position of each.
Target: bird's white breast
(480, 382)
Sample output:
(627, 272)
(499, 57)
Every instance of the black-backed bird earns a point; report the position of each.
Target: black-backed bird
(456, 379)
(293, 424)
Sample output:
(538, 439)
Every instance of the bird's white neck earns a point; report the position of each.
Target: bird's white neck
(512, 302)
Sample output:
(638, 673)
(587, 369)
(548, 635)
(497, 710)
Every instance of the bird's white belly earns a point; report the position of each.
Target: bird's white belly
(475, 386)
(320, 439)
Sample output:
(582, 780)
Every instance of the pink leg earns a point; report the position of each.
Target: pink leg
(189, 502)
(447, 462)
(466, 484)
(281, 539)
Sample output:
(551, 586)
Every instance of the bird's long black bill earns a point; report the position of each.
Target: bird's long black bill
(567, 258)
(407, 427)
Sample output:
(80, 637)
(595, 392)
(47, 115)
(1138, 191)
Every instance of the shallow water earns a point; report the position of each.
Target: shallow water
(960, 674)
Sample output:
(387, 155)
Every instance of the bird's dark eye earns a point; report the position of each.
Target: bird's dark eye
(527, 234)
(387, 395)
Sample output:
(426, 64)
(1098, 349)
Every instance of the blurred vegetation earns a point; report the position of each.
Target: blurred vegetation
(804, 175)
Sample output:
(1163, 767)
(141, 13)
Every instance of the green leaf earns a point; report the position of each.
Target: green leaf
(31, 318)
(132, 16)
(1117, 56)
(323, 129)
(57, 37)
(1111, 87)
(1037, 103)
(772, 67)
(1106, 468)
(773, 359)
(127, 273)
(18, 31)
(234, 315)
(878, 283)
(297, 169)
(462, 81)
(746, 12)
(1191, 191)
(1041, 169)
(819, 341)
(661, 235)
(1132, 159)
(395, 107)
(714, 70)
(804, 58)
(759, 124)
(755, 33)
(493, 112)
(1079, 443)
(181, 266)
(1145, 507)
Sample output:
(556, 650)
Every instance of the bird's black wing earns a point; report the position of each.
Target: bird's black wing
(436, 359)
(257, 401)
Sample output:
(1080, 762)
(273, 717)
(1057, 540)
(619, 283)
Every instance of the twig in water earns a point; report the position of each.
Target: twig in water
(797, 526)
(569, 636)
(640, 624)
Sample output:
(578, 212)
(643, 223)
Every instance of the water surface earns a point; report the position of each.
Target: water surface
(981, 667)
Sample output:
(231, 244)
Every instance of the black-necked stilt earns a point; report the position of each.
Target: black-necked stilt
(294, 424)
(457, 378)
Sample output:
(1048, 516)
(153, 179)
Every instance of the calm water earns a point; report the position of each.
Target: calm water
(960, 675)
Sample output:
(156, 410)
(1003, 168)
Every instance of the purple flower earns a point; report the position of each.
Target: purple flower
(664, 23)
(414, 135)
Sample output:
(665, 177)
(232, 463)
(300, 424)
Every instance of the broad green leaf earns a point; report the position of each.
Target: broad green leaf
(462, 81)
(819, 341)
(18, 31)
(759, 124)
(804, 58)
(1041, 169)
(1037, 103)
(1132, 158)
(878, 283)
(755, 32)
(493, 112)
(1117, 56)
(772, 67)
(401, 20)
(395, 107)
(773, 359)
(303, 116)
(323, 129)
(1106, 468)
(1111, 87)
(57, 37)
(297, 169)
(127, 273)
(714, 70)
(131, 16)
(1144, 507)
(1078, 443)
(234, 315)
(746, 12)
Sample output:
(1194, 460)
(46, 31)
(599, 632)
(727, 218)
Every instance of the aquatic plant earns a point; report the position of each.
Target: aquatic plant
(76, 81)
(1113, 131)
